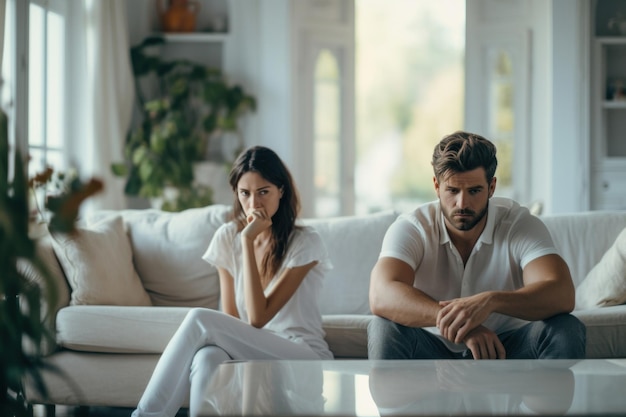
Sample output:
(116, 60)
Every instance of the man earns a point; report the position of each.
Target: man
(471, 275)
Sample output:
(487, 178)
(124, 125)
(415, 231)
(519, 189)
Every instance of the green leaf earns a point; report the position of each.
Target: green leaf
(119, 169)
(145, 170)
(140, 155)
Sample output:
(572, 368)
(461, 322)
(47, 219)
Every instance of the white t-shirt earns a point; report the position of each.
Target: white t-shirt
(511, 239)
(300, 319)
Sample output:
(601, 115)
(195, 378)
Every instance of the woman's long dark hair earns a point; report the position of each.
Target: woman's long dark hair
(268, 165)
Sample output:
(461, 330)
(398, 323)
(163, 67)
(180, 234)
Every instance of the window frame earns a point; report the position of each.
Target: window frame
(18, 53)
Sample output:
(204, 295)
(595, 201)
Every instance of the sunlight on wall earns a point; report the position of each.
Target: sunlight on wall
(409, 94)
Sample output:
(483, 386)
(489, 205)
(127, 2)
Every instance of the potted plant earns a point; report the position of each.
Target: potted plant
(22, 330)
(192, 105)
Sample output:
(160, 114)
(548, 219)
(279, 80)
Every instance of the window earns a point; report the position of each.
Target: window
(46, 86)
(409, 94)
(327, 135)
(502, 115)
(8, 67)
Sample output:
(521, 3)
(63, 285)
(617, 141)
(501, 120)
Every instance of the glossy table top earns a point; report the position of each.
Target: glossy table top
(388, 388)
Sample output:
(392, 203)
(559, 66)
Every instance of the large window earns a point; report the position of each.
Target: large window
(409, 94)
(327, 135)
(7, 85)
(46, 85)
(34, 61)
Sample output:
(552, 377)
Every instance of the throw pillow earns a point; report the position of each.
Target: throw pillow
(605, 284)
(98, 264)
(167, 250)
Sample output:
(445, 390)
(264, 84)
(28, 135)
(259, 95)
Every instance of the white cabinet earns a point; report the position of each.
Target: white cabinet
(608, 106)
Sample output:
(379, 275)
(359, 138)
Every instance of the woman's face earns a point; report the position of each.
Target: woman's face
(255, 192)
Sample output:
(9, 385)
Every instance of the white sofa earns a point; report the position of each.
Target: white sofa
(107, 352)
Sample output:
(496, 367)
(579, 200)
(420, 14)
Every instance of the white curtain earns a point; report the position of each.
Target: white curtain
(2, 26)
(110, 94)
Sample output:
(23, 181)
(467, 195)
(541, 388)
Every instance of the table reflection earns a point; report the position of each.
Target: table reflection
(418, 388)
(266, 388)
(472, 387)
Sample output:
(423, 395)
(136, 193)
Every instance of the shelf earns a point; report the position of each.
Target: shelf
(614, 104)
(611, 40)
(199, 37)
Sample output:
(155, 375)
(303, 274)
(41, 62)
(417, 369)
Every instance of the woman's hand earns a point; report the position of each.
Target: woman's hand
(258, 221)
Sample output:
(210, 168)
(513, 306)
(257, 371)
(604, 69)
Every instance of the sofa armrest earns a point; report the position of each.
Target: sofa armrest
(48, 309)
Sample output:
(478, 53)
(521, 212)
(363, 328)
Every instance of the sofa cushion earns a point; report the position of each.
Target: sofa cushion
(88, 379)
(353, 243)
(97, 261)
(606, 331)
(109, 329)
(346, 334)
(605, 285)
(583, 238)
(55, 278)
(167, 250)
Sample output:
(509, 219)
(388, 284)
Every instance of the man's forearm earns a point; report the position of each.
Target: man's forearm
(536, 301)
(404, 305)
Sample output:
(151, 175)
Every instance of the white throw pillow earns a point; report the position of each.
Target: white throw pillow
(605, 284)
(167, 250)
(98, 264)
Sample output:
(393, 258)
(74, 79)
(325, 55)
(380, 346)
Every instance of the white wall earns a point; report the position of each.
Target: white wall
(569, 153)
(259, 56)
(559, 106)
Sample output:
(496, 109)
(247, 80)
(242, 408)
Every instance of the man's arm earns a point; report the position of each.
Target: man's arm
(548, 290)
(393, 296)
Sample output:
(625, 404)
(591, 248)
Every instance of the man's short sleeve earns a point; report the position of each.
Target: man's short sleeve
(404, 242)
(531, 240)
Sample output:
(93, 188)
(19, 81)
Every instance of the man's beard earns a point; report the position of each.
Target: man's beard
(466, 223)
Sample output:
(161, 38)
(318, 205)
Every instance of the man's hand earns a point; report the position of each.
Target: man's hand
(459, 316)
(484, 344)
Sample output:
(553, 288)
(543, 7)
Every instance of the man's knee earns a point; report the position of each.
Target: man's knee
(379, 327)
(384, 338)
(569, 333)
(567, 324)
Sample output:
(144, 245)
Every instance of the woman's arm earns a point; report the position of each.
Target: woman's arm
(227, 293)
(262, 309)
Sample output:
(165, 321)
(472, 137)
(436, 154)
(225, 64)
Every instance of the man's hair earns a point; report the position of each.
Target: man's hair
(461, 152)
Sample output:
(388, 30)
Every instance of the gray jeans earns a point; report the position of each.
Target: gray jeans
(560, 337)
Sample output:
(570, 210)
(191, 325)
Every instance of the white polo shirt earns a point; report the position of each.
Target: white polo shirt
(511, 239)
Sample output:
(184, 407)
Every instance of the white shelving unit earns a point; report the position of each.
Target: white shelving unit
(204, 46)
(608, 111)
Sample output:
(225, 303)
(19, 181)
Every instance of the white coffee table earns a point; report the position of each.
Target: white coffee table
(386, 388)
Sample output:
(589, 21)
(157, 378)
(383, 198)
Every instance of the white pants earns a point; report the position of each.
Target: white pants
(205, 339)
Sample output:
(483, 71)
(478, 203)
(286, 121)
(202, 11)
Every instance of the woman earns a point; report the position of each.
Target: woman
(271, 273)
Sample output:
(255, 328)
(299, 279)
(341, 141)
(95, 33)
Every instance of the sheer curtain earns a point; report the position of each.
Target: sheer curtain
(108, 93)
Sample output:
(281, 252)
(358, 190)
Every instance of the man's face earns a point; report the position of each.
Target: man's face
(464, 198)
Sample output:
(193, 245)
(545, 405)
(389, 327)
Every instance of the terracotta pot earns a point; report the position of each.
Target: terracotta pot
(180, 15)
